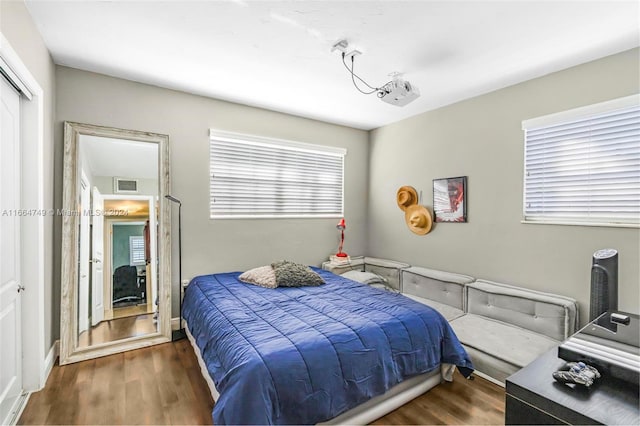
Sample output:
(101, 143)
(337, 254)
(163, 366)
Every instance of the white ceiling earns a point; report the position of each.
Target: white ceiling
(120, 158)
(276, 54)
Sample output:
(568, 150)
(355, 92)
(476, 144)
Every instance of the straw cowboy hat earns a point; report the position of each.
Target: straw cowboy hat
(406, 196)
(418, 219)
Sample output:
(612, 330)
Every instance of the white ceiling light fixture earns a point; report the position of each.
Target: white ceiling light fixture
(395, 92)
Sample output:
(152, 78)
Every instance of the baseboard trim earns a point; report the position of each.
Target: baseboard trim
(50, 360)
(175, 324)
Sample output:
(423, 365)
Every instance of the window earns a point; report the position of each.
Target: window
(136, 250)
(255, 177)
(583, 166)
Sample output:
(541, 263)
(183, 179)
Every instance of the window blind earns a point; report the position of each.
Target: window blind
(262, 177)
(136, 250)
(585, 169)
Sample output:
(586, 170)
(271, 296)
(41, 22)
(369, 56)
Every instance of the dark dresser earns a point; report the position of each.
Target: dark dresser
(534, 397)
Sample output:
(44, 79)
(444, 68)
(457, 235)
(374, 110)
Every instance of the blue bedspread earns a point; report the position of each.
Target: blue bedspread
(303, 355)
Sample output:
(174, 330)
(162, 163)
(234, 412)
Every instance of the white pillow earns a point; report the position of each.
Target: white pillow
(364, 277)
(263, 276)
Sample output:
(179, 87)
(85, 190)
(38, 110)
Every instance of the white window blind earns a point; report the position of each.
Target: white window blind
(583, 166)
(261, 177)
(136, 250)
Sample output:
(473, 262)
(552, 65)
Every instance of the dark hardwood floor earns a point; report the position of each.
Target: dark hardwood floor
(162, 385)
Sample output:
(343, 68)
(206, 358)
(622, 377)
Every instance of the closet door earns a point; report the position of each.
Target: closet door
(10, 245)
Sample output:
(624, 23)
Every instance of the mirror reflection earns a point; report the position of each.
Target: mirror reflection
(117, 245)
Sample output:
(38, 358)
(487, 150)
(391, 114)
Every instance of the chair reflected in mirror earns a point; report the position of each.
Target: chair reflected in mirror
(127, 290)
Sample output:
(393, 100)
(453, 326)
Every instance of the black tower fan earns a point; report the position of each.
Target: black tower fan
(604, 283)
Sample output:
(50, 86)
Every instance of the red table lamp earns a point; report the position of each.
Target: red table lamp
(341, 225)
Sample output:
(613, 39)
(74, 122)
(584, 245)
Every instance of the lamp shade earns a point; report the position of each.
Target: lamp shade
(341, 224)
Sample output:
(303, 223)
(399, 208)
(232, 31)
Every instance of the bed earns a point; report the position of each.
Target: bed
(306, 355)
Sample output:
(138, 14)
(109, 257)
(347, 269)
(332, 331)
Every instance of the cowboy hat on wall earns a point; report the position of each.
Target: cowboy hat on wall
(417, 217)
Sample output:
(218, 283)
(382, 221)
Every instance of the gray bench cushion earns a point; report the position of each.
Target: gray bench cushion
(489, 365)
(447, 311)
(544, 313)
(513, 345)
(442, 287)
(388, 269)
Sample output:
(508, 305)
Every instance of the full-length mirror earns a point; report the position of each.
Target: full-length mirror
(116, 242)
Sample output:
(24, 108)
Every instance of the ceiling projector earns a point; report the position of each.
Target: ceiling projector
(398, 92)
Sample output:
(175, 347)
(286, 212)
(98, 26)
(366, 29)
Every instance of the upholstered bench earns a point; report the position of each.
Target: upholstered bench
(443, 291)
(506, 327)
(388, 272)
(502, 327)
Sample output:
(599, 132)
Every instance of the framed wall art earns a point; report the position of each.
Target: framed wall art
(450, 199)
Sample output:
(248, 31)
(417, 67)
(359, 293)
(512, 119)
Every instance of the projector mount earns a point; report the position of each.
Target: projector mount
(396, 92)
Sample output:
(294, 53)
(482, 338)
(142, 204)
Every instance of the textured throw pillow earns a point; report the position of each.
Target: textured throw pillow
(263, 276)
(291, 274)
(364, 277)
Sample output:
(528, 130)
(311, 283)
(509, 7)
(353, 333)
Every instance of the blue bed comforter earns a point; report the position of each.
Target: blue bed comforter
(303, 355)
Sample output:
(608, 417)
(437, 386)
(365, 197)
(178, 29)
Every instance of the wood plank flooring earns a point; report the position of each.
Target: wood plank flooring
(128, 311)
(117, 329)
(461, 402)
(156, 385)
(162, 385)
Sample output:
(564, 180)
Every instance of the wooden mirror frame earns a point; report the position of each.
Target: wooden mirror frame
(69, 350)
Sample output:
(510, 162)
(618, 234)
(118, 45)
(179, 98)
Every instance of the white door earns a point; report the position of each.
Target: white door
(10, 244)
(97, 259)
(153, 252)
(83, 266)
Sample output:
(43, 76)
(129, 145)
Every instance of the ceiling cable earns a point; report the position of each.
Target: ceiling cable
(395, 92)
(379, 90)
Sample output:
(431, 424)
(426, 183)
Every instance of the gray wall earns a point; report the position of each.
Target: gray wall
(222, 245)
(145, 186)
(23, 36)
(120, 243)
(482, 138)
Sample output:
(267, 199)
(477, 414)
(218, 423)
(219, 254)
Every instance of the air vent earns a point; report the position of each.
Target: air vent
(125, 186)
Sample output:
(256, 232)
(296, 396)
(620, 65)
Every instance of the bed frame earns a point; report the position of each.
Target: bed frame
(370, 410)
